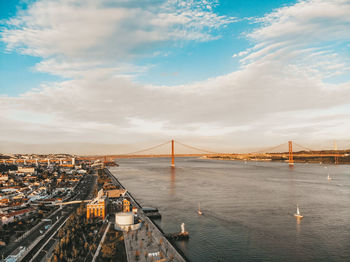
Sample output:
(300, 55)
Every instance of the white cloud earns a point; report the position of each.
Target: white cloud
(224, 106)
(85, 34)
(278, 94)
(310, 34)
(242, 53)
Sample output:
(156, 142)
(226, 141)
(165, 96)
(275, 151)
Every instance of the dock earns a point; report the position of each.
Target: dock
(148, 243)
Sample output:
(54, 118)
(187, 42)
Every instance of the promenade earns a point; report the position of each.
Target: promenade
(149, 242)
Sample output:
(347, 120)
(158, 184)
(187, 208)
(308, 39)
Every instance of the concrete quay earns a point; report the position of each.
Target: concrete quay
(148, 243)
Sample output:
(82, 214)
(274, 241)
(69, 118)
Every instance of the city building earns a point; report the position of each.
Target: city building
(115, 193)
(16, 254)
(126, 205)
(97, 206)
(10, 217)
(127, 221)
(26, 170)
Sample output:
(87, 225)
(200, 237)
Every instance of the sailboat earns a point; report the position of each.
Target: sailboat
(297, 214)
(329, 178)
(199, 210)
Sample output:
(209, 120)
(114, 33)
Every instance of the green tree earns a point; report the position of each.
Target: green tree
(108, 250)
(75, 252)
(54, 258)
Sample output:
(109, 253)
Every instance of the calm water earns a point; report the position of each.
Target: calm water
(248, 208)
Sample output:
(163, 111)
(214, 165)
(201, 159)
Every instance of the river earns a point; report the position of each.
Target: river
(247, 208)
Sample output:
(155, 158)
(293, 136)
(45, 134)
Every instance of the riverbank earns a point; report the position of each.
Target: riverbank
(322, 157)
(149, 242)
(248, 209)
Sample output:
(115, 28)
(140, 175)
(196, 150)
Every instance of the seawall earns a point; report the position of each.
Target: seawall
(169, 251)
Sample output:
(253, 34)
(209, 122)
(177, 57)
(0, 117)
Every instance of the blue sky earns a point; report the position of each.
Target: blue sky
(16, 70)
(227, 75)
(187, 63)
(183, 62)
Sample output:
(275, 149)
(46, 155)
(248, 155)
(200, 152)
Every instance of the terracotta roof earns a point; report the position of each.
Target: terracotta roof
(19, 212)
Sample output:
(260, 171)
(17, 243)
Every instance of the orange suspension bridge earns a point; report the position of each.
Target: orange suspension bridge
(282, 151)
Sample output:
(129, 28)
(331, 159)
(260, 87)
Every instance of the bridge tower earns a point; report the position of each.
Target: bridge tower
(172, 154)
(290, 153)
(335, 152)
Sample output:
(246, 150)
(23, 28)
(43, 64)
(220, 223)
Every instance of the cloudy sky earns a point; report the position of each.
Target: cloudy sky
(110, 76)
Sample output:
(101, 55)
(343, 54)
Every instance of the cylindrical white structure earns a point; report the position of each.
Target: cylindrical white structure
(124, 219)
(73, 161)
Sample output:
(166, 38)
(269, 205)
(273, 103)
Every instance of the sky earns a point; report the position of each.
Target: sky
(113, 76)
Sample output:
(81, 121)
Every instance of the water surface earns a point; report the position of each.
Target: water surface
(248, 207)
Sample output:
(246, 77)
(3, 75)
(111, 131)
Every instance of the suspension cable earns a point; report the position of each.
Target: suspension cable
(147, 149)
(265, 150)
(303, 147)
(196, 148)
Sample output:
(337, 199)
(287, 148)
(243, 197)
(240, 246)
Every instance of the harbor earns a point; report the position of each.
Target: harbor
(147, 242)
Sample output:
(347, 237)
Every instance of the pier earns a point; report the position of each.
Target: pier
(148, 243)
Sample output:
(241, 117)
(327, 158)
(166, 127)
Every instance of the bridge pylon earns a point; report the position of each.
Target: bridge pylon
(290, 153)
(172, 154)
(336, 158)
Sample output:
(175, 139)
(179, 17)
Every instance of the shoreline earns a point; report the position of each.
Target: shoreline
(310, 160)
(169, 248)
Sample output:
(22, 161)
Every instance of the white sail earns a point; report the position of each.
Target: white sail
(297, 214)
(199, 210)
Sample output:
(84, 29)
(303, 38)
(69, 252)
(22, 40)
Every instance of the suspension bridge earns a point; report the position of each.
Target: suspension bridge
(288, 152)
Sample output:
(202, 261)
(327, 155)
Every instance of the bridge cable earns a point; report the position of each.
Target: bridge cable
(303, 147)
(147, 149)
(265, 150)
(196, 148)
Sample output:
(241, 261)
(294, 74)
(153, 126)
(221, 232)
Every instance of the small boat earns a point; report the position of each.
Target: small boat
(297, 214)
(199, 210)
(329, 178)
(179, 236)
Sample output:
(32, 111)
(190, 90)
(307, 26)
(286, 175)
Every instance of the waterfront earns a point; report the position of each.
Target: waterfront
(248, 207)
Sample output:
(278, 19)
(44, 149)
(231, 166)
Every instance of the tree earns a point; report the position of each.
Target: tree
(75, 252)
(108, 250)
(57, 249)
(54, 258)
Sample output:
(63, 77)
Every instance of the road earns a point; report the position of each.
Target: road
(84, 191)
